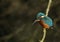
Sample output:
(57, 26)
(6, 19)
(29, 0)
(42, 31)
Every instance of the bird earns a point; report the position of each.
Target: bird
(43, 20)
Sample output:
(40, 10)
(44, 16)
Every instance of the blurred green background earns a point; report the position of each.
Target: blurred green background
(16, 18)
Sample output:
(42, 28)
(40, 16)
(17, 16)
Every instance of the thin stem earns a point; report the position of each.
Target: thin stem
(47, 10)
(44, 35)
(44, 29)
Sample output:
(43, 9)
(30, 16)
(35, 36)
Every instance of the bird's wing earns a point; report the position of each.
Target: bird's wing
(48, 21)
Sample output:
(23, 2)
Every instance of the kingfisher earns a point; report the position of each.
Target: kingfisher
(43, 20)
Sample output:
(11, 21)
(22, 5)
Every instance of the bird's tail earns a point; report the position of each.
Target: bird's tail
(53, 28)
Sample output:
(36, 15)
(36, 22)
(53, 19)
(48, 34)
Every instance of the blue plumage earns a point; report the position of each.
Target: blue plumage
(46, 19)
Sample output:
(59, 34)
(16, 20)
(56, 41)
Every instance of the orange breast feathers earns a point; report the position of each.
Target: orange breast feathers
(44, 25)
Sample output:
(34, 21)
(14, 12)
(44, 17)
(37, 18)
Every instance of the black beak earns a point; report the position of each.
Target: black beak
(35, 21)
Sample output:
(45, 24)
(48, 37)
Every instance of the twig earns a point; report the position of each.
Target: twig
(47, 10)
(44, 29)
